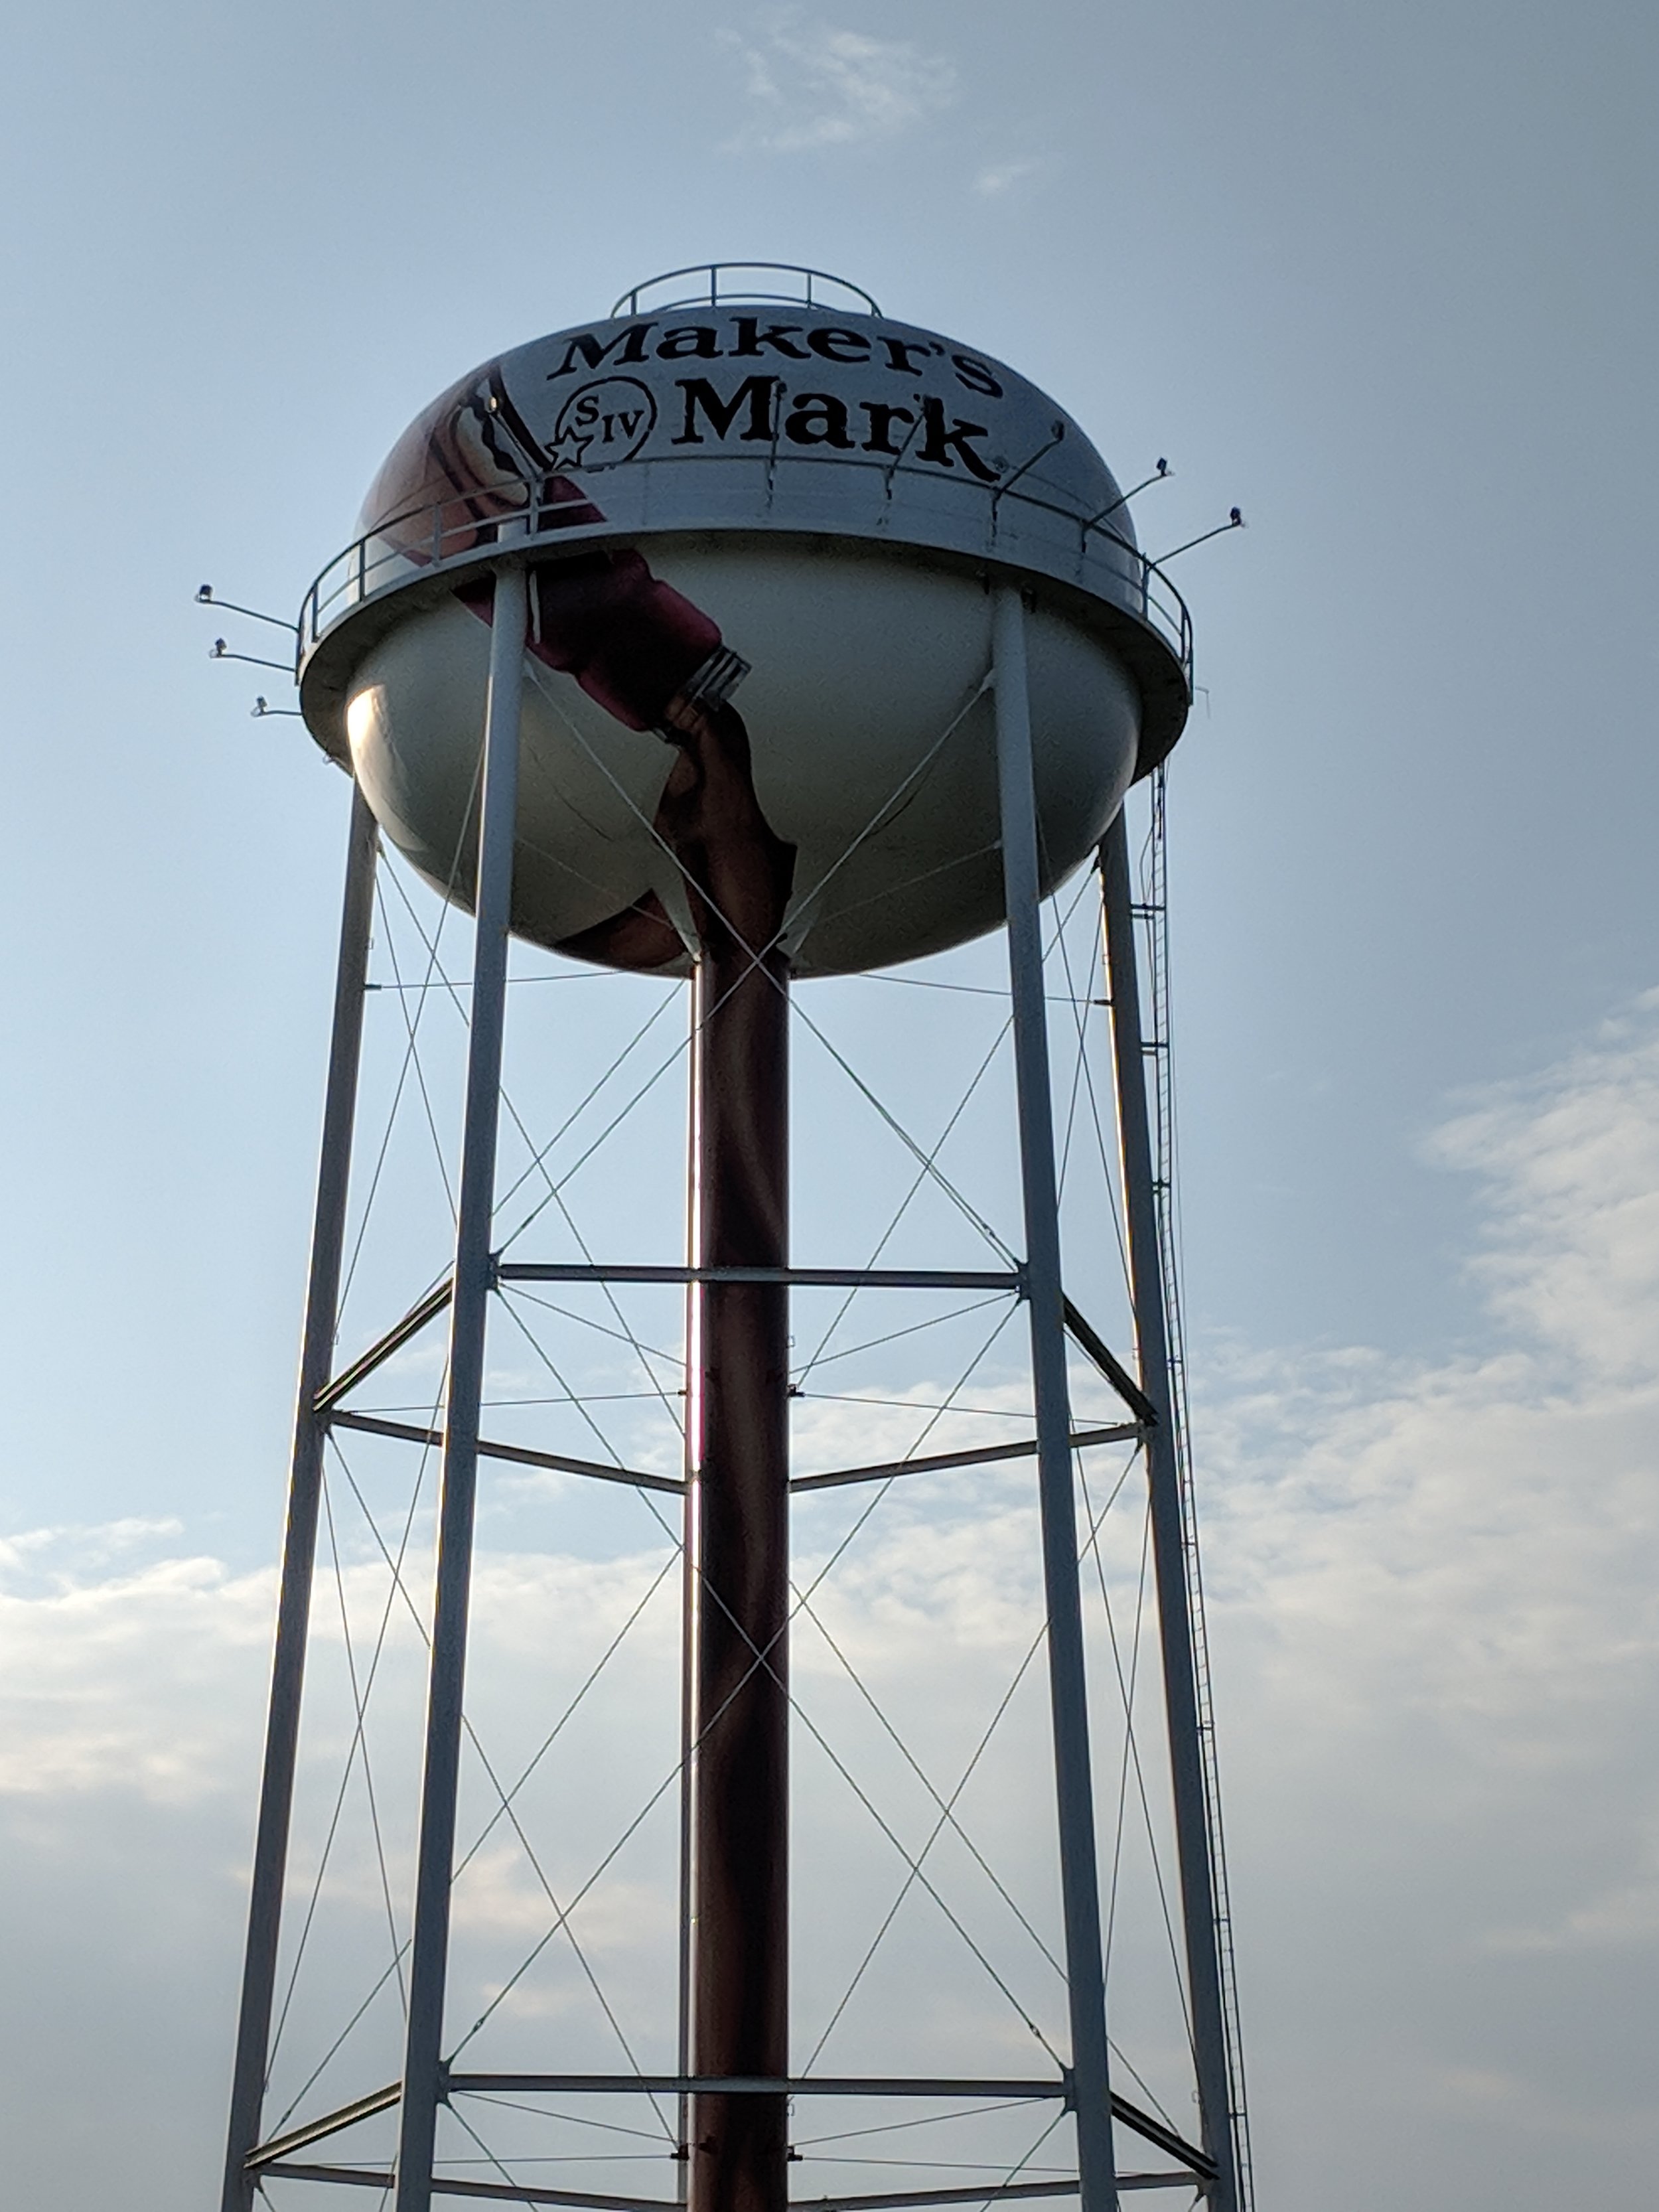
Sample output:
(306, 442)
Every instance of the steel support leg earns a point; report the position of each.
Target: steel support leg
(1192, 1812)
(305, 1490)
(429, 1959)
(1067, 1684)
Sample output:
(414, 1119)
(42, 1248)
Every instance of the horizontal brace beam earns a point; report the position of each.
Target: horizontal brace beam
(820, 2085)
(1162, 2138)
(747, 2084)
(1088, 1339)
(435, 1302)
(988, 2192)
(1196, 2165)
(497, 2192)
(330, 2124)
(1005, 2192)
(1124, 1432)
(837, 1278)
(372, 1424)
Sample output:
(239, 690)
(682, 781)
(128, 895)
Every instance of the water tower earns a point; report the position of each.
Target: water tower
(749, 635)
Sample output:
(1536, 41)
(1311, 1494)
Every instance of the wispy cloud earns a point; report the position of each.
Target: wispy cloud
(814, 84)
(998, 179)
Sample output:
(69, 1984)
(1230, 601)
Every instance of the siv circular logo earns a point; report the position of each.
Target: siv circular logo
(603, 423)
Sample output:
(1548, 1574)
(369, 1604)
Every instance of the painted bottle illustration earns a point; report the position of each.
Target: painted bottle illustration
(638, 648)
(633, 643)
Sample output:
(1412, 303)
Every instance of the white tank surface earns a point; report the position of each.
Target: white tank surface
(783, 514)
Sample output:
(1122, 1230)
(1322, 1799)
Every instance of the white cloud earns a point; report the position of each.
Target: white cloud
(1573, 1252)
(1435, 1609)
(998, 178)
(125, 1680)
(1436, 1612)
(817, 84)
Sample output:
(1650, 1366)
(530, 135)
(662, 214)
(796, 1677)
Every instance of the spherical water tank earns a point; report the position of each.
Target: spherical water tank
(793, 506)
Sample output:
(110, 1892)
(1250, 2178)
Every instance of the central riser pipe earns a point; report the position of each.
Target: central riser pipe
(736, 1835)
(739, 1587)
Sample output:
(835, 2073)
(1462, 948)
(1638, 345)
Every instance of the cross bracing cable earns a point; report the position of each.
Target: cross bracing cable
(756, 959)
(1094, 1522)
(859, 1970)
(339, 1802)
(892, 1336)
(910, 1406)
(452, 989)
(946, 1809)
(569, 2120)
(565, 1914)
(563, 1398)
(580, 1402)
(539, 1158)
(446, 983)
(538, 1154)
(929, 1165)
(970, 990)
(758, 1662)
(905, 1203)
(505, 1810)
(448, 890)
(1012, 2174)
(1128, 1695)
(414, 1057)
(1081, 1007)
(934, 2165)
(634, 1341)
(586, 1321)
(562, 2158)
(898, 2127)
(359, 1704)
(490, 2159)
(398, 1588)
(1125, 1692)
(583, 975)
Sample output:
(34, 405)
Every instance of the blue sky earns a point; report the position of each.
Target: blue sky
(1381, 277)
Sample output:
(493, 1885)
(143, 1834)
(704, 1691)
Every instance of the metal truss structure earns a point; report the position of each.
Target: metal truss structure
(1121, 2145)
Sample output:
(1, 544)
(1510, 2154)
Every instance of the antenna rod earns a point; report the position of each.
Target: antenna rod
(1161, 474)
(204, 598)
(1235, 521)
(220, 651)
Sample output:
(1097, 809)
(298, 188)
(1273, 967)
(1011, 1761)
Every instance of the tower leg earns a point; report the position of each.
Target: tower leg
(738, 1504)
(429, 1959)
(1198, 1913)
(305, 1490)
(1067, 1685)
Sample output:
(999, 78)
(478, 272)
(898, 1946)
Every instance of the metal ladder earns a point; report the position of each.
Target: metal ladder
(1153, 910)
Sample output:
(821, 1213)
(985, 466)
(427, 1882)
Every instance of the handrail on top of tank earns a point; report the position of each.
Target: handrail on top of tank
(801, 296)
(352, 575)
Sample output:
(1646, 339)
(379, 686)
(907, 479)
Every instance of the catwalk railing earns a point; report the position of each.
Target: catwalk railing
(447, 532)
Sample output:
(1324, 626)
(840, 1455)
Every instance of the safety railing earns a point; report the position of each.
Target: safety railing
(449, 531)
(733, 283)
